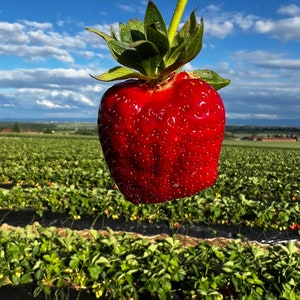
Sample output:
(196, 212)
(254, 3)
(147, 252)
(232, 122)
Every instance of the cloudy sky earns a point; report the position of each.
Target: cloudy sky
(46, 56)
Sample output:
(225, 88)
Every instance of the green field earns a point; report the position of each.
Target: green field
(257, 187)
(259, 144)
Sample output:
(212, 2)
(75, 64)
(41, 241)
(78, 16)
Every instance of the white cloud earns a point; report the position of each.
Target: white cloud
(281, 63)
(36, 53)
(35, 41)
(126, 7)
(264, 85)
(244, 22)
(44, 26)
(219, 28)
(271, 61)
(12, 33)
(53, 38)
(43, 77)
(292, 10)
(220, 23)
(248, 116)
(217, 23)
(50, 104)
(134, 8)
(284, 29)
(49, 93)
(213, 8)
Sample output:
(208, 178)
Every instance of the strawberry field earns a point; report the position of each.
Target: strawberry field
(194, 248)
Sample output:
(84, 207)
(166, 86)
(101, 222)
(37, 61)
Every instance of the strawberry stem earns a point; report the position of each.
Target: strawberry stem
(176, 19)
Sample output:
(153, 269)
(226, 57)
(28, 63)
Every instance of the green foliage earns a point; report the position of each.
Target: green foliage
(255, 187)
(120, 266)
(145, 50)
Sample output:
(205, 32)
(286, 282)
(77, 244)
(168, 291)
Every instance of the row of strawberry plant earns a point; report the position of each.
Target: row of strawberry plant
(207, 208)
(258, 173)
(120, 266)
(42, 161)
(256, 186)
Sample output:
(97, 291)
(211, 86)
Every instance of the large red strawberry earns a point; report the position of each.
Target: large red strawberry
(161, 131)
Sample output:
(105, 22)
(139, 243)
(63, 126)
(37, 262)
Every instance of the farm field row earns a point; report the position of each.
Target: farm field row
(257, 187)
(111, 265)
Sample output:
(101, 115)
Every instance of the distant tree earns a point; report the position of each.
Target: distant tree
(85, 131)
(16, 127)
(48, 130)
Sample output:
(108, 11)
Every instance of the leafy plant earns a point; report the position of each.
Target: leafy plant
(120, 266)
(256, 187)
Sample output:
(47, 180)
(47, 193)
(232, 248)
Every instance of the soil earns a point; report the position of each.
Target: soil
(192, 232)
(185, 240)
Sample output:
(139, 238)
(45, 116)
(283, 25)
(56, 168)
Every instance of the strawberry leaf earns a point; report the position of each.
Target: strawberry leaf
(118, 73)
(125, 55)
(148, 55)
(156, 30)
(125, 34)
(212, 78)
(153, 17)
(105, 36)
(187, 29)
(189, 41)
(154, 51)
(194, 45)
(131, 32)
(113, 33)
(159, 39)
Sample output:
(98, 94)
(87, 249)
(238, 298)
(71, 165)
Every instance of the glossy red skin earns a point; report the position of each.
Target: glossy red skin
(162, 142)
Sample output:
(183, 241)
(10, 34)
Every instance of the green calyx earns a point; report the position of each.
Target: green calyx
(149, 50)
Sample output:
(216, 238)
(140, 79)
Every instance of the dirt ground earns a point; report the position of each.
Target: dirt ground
(185, 240)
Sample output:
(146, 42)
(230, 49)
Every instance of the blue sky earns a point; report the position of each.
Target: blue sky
(46, 56)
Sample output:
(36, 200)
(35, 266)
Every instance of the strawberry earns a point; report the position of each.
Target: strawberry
(160, 128)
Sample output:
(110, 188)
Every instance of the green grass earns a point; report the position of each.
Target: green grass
(258, 144)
